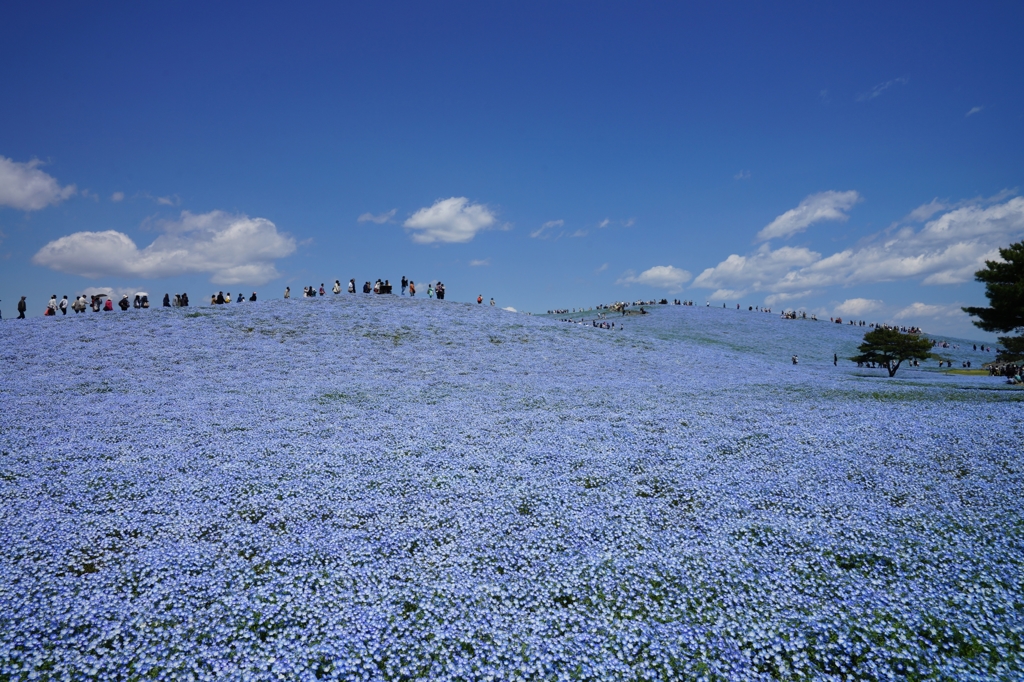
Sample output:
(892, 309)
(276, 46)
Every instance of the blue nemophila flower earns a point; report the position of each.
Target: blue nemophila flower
(371, 489)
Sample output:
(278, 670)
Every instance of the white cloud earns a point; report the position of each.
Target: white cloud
(757, 271)
(880, 88)
(117, 196)
(24, 187)
(775, 299)
(858, 306)
(665, 277)
(379, 219)
(919, 310)
(926, 211)
(169, 201)
(724, 295)
(742, 175)
(601, 268)
(453, 220)
(539, 233)
(478, 263)
(579, 233)
(604, 223)
(234, 249)
(974, 110)
(947, 250)
(828, 205)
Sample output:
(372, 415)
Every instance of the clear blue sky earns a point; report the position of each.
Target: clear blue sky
(858, 161)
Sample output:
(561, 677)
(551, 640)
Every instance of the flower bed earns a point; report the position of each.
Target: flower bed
(360, 488)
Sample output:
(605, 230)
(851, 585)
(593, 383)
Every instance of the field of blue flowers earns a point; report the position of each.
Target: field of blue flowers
(378, 488)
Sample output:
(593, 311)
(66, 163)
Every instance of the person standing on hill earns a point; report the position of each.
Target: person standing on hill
(287, 292)
(835, 360)
(337, 286)
(167, 300)
(405, 284)
(63, 305)
(412, 288)
(22, 307)
(479, 299)
(352, 286)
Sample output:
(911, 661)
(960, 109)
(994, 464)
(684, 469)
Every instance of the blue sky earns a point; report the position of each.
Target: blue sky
(860, 161)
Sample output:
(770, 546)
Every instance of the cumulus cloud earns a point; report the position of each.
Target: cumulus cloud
(542, 231)
(919, 310)
(946, 250)
(117, 196)
(757, 271)
(24, 187)
(234, 249)
(830, 205)
(776, 299)
(453, 220)
(974, 110)
(880, 88)
(665, 277)
(858, 306)
(379, 219)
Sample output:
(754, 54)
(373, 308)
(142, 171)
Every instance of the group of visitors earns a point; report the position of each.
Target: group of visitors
(378, 287)
(180, 300)
(596, 323)
(1013, 371)
(220, 298)
(794, 315)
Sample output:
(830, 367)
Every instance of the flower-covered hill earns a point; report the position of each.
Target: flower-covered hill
(381, 488)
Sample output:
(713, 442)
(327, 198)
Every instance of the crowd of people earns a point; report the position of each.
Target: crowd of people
(1011, 370)
(219, 298)
(378, 287)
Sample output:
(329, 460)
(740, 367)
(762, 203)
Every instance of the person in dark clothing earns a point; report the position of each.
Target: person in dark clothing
(22, 307)
(124, 304)
(241, 297)
(137, 303)
(167, 300)
(405, 284)
(835, 360)
(220, 297)
(253, 297)
(184, 300)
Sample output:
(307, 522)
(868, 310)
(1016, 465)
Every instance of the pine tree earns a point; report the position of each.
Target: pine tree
(890, 347)
(1004, 287)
